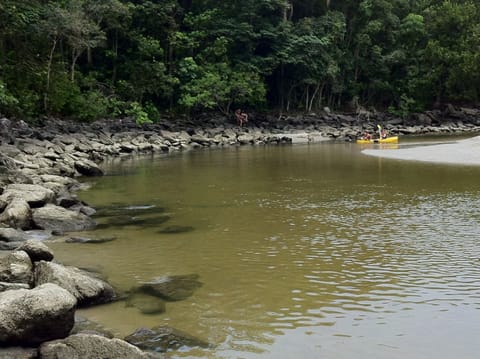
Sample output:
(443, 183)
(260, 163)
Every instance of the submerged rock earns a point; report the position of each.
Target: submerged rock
(162, 339)
(86, 326)
(175, 229)
(147, 304)
(90, 346)
(125, 221)
(90, 240)
(171, 288)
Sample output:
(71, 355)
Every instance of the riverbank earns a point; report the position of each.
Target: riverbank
(40, 167)
(465, 152)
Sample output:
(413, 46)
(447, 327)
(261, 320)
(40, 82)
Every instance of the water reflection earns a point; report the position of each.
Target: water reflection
(314, 251)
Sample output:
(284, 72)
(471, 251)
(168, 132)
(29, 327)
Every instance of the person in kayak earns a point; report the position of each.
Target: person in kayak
(381, 132)
(366, 136)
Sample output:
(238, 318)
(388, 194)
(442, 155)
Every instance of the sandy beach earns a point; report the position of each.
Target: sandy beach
(464, 152)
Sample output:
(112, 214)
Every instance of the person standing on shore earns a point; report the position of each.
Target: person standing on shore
(241, 117)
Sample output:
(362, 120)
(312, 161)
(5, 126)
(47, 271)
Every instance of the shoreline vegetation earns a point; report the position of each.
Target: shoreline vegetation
(90, 59)
(39, 170)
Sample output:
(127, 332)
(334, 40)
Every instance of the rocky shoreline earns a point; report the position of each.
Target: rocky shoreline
(39, 170)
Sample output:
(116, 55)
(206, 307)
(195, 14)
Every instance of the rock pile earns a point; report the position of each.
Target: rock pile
(38, 299)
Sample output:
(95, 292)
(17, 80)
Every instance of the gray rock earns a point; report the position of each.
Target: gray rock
(162, 338)
(35, 195)
(9, 246)
(88, 168)
(12, 235)
(30, 317)
(7, 163)
(67, 201)
(59, 219)
(16, 267)
(246, 139)
(86, 210)
(90, 240)
(36, 250)
(12, 286)
(88, 346)
(17, 214)
(172, 288)
(86, 326)
(86, 289)
(66, 181)
(145, 303)
(19, 353)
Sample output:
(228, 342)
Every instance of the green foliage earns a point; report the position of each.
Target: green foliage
(137, 111)
(406, 107)
(94, 58)
(7, 100)
(219, 86)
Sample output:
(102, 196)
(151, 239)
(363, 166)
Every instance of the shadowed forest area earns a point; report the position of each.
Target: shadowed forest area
(89, 59)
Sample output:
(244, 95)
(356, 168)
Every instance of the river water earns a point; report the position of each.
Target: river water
(313, 251)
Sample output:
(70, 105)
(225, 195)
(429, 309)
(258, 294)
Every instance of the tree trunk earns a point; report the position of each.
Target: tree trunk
(314, 95)
(115, 51)
(49, 70)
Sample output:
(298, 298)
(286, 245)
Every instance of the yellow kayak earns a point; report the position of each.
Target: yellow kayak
(393, 139)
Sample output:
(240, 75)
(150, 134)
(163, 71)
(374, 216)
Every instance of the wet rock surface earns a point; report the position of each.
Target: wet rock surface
(162, 339)
(171, 288)
(91, 346)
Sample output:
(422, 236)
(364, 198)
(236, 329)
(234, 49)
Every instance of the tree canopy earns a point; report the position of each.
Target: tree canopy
(104, 58)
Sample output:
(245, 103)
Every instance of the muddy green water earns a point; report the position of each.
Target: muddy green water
(304, 251)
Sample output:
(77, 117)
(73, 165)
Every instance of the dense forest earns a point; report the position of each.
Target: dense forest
(88, 59)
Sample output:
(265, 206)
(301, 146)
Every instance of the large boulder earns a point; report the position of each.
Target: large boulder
(17, 214)
(90, 346)
(88, 168)
(60, 219)
(37, 251)
(86, 289)
(31, 317)
(34, 195)
(16, 267)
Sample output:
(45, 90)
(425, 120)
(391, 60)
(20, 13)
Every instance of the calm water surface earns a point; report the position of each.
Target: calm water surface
(313, 251)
